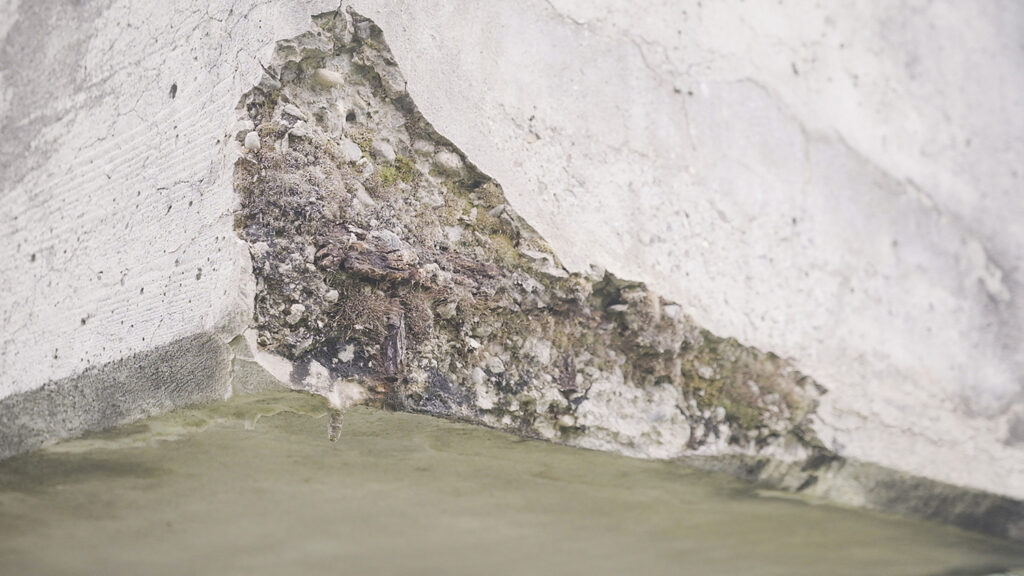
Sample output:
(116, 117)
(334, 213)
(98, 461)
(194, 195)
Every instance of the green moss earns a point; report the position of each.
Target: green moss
(746, 416)
(388, 175)
(407, 171)
(505, 252)
(401, 170)
(740, 406)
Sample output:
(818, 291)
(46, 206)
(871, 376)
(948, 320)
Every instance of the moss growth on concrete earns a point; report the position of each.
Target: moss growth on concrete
(401, 170)
(415, 278)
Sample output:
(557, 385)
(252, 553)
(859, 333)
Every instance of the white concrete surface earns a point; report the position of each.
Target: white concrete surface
(116, 210)
(838, 183)
(834, 183)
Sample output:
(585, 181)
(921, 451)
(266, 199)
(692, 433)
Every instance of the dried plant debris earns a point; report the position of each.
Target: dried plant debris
(383, 257)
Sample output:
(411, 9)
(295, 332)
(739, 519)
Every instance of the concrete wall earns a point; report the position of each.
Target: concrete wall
(116, 213)
(833, 183)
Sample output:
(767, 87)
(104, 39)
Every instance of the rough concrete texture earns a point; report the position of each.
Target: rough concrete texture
(191, 370)
(835, 183)
(115, 171)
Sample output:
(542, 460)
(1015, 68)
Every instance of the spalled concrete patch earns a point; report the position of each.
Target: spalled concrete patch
(385, 259)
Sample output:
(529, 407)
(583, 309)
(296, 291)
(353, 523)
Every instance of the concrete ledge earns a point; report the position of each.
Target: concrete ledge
(864, 485)
(191, 370)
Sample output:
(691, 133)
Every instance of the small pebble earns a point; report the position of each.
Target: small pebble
(347, 353)
(535, 254)
(252, 142)
(350, 150)
(384, 150)
(363, 29)
(362, 196)
(296, 313)
(477, 376)
(366, 167)
(300, 130)
(483, 330)
(293, 111)
(423, 146)
(328, 78)
(449, 160)
(453, 233)
(495, 365)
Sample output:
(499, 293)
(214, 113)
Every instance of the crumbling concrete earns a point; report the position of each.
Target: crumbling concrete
(383, 257)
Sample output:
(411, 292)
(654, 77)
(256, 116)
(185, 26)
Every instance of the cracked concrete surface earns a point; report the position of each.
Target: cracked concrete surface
(837, 184)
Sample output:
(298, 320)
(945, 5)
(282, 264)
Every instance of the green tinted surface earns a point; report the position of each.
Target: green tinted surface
(253, 487)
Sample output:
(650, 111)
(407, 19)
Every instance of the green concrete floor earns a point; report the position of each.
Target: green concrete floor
(252, 486)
